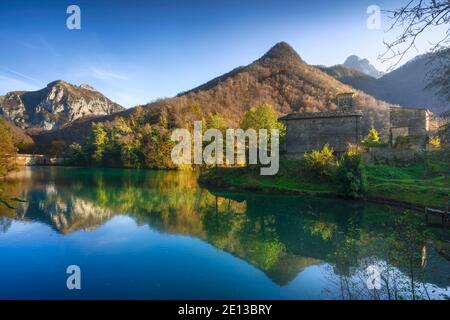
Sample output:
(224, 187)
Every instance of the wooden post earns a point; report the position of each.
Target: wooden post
(446, 212)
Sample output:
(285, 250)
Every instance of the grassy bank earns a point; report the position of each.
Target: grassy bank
(425, 183)
(420, 184)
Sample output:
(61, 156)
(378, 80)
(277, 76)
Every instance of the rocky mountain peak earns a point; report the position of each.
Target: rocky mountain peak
(57, 82)
(54, 106)
(362, 65)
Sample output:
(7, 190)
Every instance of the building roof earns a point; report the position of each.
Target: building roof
(409, 108)
(345, 94)
(327, 114)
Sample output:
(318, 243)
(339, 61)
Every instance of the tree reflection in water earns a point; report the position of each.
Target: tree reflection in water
(280, 235)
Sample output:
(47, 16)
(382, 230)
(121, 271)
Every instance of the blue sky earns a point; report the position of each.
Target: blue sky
(138, 51)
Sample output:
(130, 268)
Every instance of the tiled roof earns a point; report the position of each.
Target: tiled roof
(327, 114)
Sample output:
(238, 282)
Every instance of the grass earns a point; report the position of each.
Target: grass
(288, 180)
(425, 183)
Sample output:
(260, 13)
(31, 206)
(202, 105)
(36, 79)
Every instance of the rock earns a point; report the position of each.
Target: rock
(54, 106)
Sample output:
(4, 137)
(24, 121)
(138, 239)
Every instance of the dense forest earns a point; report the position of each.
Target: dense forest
(133, 142)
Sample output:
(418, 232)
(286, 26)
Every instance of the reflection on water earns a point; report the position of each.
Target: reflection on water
(270, 246)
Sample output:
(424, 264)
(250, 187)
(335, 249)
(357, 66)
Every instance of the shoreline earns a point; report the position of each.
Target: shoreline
(219, 184)
(390, 202)
(222, 185)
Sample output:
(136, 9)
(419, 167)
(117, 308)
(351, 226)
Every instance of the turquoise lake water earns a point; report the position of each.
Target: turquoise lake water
(139, 234)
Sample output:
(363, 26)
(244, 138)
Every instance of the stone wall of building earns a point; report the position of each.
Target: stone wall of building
(25, 160)
(417, 120)
(415, 123)
(311, 131)
(305, 134)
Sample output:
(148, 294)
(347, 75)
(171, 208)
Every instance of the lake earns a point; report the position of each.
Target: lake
(139, 234)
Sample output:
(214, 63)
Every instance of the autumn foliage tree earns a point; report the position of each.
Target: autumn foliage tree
(262, 117)
(7, 149)
(157, 146)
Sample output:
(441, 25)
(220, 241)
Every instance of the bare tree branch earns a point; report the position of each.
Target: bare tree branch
(413, 19)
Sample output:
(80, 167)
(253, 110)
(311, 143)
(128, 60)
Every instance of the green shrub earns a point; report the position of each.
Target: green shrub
(351, 175)
(372, 144)
(372, 140)
(320, 162)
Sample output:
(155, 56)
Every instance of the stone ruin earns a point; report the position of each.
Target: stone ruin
(312, 130)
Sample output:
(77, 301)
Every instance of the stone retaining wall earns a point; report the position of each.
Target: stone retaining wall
(391, 156)
(24, 160)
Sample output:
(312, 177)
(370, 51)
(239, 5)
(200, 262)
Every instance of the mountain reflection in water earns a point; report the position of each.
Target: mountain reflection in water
(279, 235)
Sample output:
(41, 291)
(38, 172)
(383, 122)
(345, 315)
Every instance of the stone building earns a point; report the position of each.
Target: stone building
(411, 123)
(312, 130)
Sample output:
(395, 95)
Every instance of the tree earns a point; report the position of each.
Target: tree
(7, 149)
(130, 153)
(351, 174)
(413, 19)
(157, 146)
(216, 121)
(157, 150)
(262, 117)
(99, 142)
(58, 147)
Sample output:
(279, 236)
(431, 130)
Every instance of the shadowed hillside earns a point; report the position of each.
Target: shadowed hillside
(21, 139)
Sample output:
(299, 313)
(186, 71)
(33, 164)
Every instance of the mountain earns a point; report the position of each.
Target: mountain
(349, 76)
(280, 77)
(405, 86)
(363, 66)
(54, 106)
